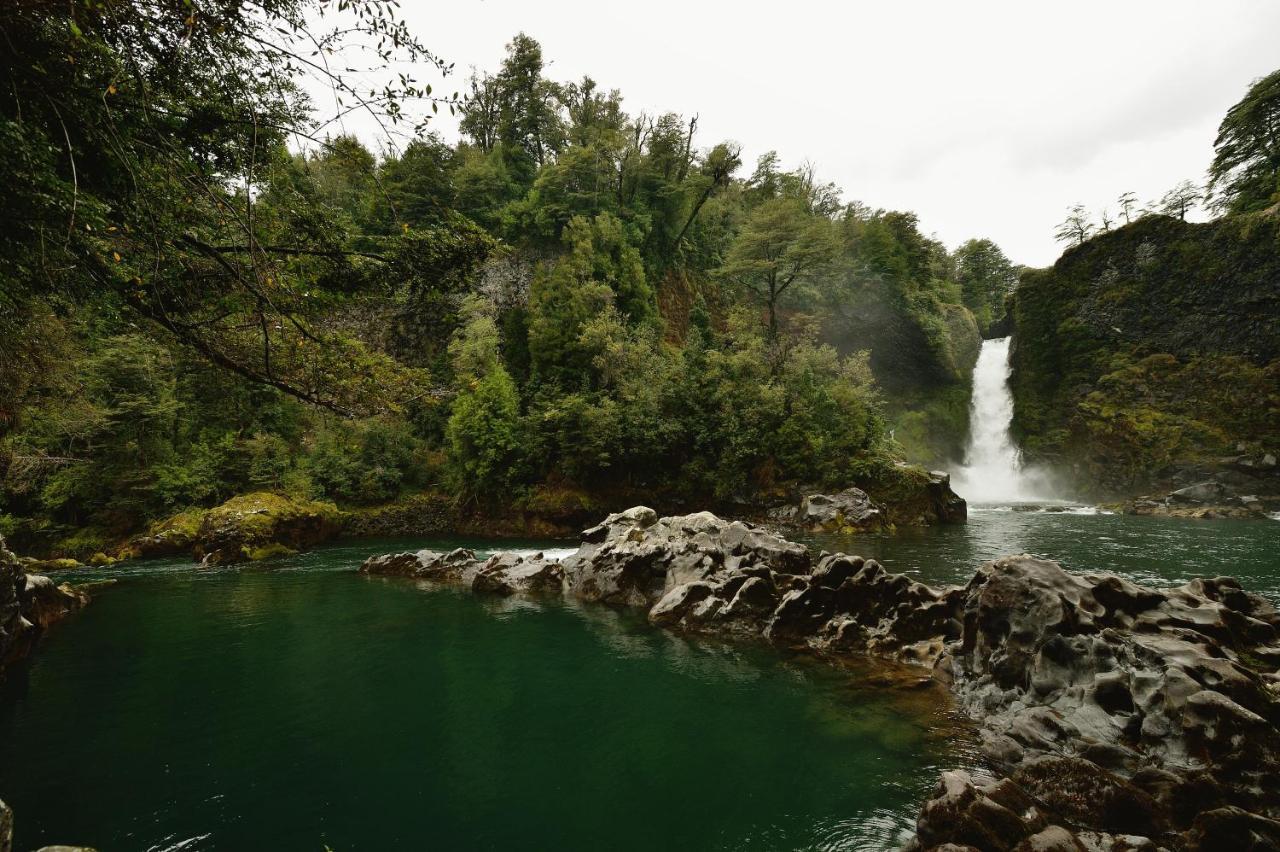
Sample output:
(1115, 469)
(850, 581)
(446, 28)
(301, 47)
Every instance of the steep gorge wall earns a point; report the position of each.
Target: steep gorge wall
(1151, 350)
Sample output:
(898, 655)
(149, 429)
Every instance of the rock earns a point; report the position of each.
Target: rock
(1203, 492)
(1233, 829)
(507, 574)
(29, 605)
(40, 566)
(1118, 716)
(456, 566)
(961, 813)
(171, 537)
(262, 525)
(948, 506)
(636, 559)
(1087, 794)
(851, 510)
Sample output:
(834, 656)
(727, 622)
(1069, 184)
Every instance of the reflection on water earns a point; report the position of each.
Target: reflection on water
(302, 705)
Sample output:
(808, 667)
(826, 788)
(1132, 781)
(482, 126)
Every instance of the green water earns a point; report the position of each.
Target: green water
(303, 706)
(1155, 551)
(299, 706)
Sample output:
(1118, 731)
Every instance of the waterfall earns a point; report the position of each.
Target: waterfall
(992, 471)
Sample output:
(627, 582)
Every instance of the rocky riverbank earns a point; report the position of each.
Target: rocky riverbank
(1113, 716)
(29, 605)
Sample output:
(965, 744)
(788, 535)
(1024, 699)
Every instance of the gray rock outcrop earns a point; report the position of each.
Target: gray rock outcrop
(1112, 716)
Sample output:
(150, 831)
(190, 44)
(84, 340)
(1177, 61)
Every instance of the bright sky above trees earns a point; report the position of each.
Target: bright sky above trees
(988, 119)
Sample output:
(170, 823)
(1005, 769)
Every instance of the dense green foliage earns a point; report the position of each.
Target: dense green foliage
(1245, 175)
(206, 295)
(1150, 347)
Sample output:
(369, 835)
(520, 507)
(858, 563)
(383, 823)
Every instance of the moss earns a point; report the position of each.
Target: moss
(40, 566)
(268, 551)
(1148, 348)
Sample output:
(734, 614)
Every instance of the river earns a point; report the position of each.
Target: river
(300, 706)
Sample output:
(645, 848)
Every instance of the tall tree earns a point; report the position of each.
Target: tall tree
(781, 247)
(1245, 174)
(986, 277)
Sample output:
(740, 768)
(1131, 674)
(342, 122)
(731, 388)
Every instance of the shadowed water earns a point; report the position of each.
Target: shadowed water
(304, 707)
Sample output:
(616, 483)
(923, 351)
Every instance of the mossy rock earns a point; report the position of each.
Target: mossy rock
(169, 537)
(915, 497)
(262, 525)
(42, 566)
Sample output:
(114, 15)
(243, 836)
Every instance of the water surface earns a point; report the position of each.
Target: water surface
(303, 707)
(1155, 551)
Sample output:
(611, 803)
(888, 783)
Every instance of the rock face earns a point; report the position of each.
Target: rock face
(29, 604)
(1242, 487)
(1112, 716)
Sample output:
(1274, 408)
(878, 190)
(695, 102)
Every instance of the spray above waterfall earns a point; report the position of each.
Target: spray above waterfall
(992, 471)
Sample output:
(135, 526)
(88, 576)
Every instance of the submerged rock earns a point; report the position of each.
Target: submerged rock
(1115, 716)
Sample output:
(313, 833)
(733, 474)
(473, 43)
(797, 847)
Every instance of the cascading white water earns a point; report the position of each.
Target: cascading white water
(992, 471)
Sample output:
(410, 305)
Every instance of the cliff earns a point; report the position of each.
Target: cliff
(1149, 356)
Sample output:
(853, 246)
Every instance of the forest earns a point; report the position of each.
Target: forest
(208, 291)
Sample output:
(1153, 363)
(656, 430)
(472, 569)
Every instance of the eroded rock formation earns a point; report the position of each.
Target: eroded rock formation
(1112, 716)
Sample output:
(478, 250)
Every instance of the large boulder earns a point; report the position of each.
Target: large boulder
(261, 525)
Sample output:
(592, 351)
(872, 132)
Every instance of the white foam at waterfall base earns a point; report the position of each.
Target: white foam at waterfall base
(992, 471)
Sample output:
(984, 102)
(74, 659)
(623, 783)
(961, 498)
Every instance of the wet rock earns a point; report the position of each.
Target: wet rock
(455, 566)
(962, 813)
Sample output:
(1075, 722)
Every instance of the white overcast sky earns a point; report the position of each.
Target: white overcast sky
(988, 119)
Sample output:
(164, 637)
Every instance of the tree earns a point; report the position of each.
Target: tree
(1181, 200)
(529, 124)
(1245, 174)
(1076, 228)
(146, 152)
(986, 277)
(1127, 202)
(781, 247)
